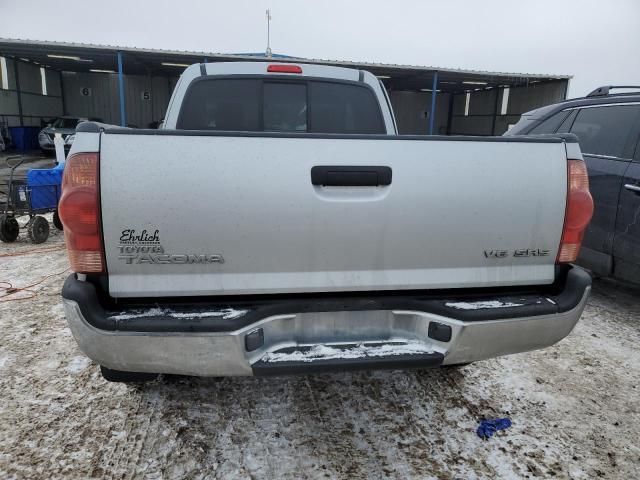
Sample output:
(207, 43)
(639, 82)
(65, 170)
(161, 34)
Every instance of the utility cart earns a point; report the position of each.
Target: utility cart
(36, 195)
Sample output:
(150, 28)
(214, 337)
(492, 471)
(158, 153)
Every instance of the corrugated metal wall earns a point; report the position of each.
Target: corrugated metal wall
(36, 107)
(93, 95)
(412, 109)
(97, 95)
(9, 97)
(482, 106)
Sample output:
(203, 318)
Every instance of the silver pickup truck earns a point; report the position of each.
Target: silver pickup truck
(278, 223)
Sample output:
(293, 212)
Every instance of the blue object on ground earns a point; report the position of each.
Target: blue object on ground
(487, 428)
(44, 185)
(25, 138)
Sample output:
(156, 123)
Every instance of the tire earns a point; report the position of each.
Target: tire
(9, 228)
(56, 221)
(126, 377)
(38, 229)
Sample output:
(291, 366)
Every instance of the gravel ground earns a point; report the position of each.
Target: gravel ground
(575, 407)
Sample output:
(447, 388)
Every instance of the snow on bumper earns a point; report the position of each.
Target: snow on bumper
(331, 340)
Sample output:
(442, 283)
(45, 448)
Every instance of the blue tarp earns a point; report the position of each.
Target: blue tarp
(488, 427)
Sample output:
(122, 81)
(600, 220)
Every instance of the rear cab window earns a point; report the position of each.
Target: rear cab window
(222, 105)
(284, 107)
(280, 105)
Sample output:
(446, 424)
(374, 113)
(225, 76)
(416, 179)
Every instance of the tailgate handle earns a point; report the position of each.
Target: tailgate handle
(350, 176)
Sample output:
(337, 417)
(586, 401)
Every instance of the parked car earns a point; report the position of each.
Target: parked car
(608, 126)
(66, 127)
(278, 224)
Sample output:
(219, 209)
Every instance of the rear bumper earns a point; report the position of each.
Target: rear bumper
(325, 335)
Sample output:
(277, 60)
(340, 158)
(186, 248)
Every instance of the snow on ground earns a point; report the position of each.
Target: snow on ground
(575, 407)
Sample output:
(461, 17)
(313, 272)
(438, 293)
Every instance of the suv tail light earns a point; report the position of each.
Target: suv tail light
(79, 210)
(578, 213)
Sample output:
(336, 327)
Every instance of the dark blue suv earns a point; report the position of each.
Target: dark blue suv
(608, 126)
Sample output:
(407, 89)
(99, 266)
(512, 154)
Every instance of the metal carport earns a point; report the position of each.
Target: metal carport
(42, 79)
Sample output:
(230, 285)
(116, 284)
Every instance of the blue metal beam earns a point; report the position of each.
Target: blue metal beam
(123, 110)
(434, 94)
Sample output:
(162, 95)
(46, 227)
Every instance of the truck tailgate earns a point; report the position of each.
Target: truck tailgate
(187, 215)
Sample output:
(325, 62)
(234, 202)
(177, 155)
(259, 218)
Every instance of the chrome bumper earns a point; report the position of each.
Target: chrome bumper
(225, 354)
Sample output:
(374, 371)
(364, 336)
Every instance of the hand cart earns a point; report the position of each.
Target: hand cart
(36, 195)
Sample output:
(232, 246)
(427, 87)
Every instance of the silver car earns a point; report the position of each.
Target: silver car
(65, 126)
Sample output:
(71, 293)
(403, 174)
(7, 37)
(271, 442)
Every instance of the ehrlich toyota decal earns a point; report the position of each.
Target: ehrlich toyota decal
(145, 248)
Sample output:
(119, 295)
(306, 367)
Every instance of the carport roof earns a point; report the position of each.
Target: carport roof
(80, 57)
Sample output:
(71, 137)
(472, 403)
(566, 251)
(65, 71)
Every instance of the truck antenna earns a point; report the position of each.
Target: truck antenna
(268, 53)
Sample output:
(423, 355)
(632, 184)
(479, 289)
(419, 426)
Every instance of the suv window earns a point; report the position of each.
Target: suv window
(566, 125)
(605, 130)
(271, 105)
(551, 124)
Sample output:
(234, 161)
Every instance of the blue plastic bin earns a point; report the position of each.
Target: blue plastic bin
(25, 138)
(44, 186)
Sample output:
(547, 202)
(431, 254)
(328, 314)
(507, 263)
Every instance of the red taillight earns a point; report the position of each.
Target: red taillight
(79, 210)
(579, 211)
(281, 68)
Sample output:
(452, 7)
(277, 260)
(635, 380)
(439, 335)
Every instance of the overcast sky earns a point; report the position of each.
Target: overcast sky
(596, 41)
